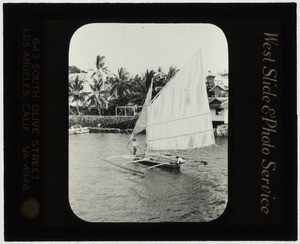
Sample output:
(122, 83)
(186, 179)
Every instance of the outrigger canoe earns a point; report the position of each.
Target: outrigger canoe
(159, 161)
(177, 118)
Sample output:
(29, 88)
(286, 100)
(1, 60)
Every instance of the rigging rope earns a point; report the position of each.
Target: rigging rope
(162, 138)
(168, 121)
(107, 161)
(169, 82)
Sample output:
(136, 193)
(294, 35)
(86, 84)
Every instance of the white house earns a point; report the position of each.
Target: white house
(218, 110)
(224, 106)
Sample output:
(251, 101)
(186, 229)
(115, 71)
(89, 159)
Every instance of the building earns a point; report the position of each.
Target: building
(130, 110)
(222, 78)
(224, 106)
(218, 110)
(210, 80)
(218, 91)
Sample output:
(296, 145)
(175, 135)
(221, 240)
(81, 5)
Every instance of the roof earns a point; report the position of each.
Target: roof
(224, 104)
(222, 87)
(219, 99)
(224, 73)
(73, 76)
(211, 74)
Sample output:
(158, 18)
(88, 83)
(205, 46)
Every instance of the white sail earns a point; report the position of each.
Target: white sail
(142, 120)
(179, 118)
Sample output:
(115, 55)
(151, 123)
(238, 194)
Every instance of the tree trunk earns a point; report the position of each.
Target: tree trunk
(99, 110)
(77, 107)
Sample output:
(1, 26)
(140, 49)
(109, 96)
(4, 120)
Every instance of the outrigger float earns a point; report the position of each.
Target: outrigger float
(177, 118)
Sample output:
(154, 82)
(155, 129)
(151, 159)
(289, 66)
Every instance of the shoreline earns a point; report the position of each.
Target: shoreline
(218, 132)
(122, 124)
(109, 130)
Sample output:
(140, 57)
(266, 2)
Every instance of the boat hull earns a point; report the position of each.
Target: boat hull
(74, 131)
(149, 162)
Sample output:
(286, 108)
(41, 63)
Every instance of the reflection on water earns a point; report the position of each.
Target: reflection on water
(101, 192)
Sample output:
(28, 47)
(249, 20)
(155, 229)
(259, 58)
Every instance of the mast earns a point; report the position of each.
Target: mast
(142, 120)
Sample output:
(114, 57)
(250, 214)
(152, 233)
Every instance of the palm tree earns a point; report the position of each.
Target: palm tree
(121, 86)
(70, 110)
(100, 66)
(171, 73)
(149, 75)
(138, 90)
(160, 75)
(76, 92)
(97, 99)
(161, 79)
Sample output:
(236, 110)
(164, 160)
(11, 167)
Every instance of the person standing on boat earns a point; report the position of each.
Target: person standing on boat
(135, 146)
(179, 160)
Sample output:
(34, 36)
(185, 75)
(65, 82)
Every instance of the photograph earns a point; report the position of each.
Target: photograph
(148, 122)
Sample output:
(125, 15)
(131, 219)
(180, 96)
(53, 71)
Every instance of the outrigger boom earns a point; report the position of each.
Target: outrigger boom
(152, 161)
(146, 161)
(132, 170)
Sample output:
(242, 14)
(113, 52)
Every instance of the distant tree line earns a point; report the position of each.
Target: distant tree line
(109, 90)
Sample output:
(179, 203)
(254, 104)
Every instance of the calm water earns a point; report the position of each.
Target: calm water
(101, 192)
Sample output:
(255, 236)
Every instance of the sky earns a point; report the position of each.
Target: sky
(138, 47)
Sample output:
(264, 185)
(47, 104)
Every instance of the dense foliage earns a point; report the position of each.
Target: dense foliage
(103, 121)
(108, 90)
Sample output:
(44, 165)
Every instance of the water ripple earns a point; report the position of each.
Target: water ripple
(100, 192)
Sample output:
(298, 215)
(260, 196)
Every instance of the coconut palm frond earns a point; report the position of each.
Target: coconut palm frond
(160, 69)
(149, 75)
(121, 86)
(76, 92)
(171, 73)
(99, 61)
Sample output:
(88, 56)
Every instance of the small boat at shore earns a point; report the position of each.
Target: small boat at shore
(78, 129)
